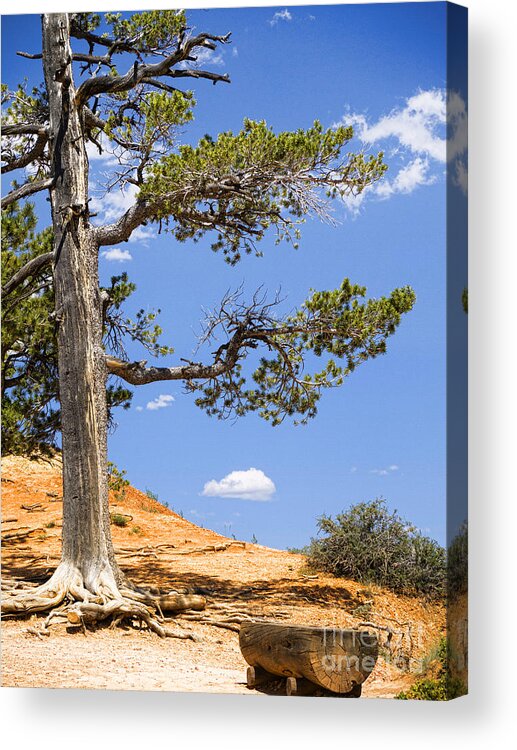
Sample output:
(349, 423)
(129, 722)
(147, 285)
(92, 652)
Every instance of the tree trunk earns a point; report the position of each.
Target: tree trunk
(87, 555)
(336, 659)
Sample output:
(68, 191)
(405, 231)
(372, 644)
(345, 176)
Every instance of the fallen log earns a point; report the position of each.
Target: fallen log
(180, 602)
(335, 659)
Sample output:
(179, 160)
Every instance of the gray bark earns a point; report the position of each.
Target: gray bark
(87, 545)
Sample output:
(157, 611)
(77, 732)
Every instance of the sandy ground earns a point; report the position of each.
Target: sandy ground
(273, 584)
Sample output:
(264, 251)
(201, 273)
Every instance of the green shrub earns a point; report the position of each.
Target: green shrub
(119, 520)
(369, 544)
(441, 688)
(117, 481)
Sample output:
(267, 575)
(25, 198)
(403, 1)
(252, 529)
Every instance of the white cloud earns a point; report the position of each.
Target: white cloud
(354, 202)
(116, 254)
(142, 235)
(408, 178)
(427, 131)
(252, 484)
(386, 471)
(139, 408)
(280, 15)
(161, 402)
(105, 157)
(206, 56)
(202, 516)
(111, 205)
(418, 126)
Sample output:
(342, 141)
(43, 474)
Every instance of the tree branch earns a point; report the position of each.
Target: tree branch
(121, 230)
(331, 323)
(113, 45)
(24, 128)
(28, 189)
(195, 73)
(136, 373)
(30, 156)
(145, 210)
(31, 268)
(141, 73)
(29, 56)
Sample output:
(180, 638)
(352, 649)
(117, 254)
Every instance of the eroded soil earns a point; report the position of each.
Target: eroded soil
(269, 583)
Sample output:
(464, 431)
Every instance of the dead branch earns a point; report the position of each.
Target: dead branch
(24, 128)
(146, 73)
(29, 188)
(33, 508)
(25, 159)
(31, 268)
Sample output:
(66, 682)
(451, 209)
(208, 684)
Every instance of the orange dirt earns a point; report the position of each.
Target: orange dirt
(270, 582)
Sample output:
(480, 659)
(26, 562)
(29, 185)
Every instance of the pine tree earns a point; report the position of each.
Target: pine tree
(236, 187)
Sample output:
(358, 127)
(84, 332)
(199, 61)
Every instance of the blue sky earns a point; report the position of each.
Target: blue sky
(383, 69)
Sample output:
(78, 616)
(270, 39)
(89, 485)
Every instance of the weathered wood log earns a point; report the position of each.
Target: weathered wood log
(180, 602)
(335, 659)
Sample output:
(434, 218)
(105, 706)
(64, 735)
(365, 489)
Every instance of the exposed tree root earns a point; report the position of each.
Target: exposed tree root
(90, 613)
(152, 551)
(33, 508)
(71, 599)
(228, 615)
(38, 633)
(14, 535)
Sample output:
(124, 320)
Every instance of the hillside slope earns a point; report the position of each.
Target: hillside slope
(159, 548)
